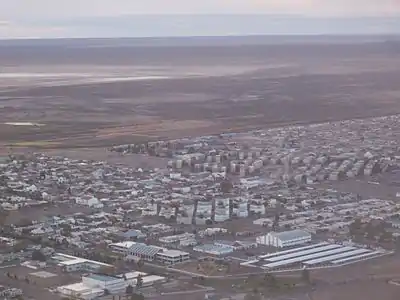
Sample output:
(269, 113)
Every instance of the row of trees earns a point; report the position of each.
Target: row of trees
(372, 231)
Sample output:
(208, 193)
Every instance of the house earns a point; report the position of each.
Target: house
(134, 234)
(285, 239)
(89, 201)
(213, 249)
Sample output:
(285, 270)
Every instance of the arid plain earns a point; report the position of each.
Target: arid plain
(89, 93)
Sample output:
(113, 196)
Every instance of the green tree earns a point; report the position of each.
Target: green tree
(356, 226)
(38, 255)
(140, 263)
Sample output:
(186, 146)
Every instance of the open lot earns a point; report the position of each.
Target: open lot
(32, 285)
(99, 96)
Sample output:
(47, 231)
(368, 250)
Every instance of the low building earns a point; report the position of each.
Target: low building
(89, 201)
(213, 249)
(81, 291)
(236, 245)
(70, 263)
(10, 292)
(176, 238)
(134, 234)
(143, 251)
(112, 284)
(285, 239)
(171, 257)
(122, 247)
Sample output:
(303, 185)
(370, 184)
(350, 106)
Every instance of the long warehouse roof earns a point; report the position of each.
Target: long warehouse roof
(361, 256)
(307, 257)
(305, 252)
(292, 250)
(335, 256)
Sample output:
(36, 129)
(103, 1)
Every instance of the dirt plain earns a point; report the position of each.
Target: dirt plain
(96, 95)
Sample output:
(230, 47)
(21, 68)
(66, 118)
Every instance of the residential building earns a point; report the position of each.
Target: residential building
(89, 201)
(134, 234)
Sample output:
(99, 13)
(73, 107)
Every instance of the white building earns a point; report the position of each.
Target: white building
(170, 257)
(285, 239)
(80, 291)
(89, 201)
(176, 238)
(111, 283)
(122, 247)
(71, 263)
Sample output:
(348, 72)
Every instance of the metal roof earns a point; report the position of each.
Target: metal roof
(291, 235)
(307, 257)
(335, 256)
(292, 250)
(142, 249)
(302, 253)
(361, 256)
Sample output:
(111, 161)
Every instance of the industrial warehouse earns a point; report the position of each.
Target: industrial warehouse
(323, 254)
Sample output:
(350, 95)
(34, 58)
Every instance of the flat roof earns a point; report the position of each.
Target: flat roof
(307, 257)
(302, 253)
(76, 287)
(73, 261)
(132, 275)
(66, 260)
(101, 277)
(173, 253)
(126, 244)
(213, 248)
(152, 278)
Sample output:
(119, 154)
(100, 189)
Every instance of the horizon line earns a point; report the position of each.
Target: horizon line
(208, 36)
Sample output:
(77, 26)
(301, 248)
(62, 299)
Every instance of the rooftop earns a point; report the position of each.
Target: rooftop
(292, 234)
(101, 277)
(173, 253)
(145, 249)
(126, 244)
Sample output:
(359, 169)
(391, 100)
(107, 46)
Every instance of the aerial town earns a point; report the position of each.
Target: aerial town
(281, 206)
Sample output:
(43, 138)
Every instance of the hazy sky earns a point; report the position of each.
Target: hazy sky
(67, 18)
